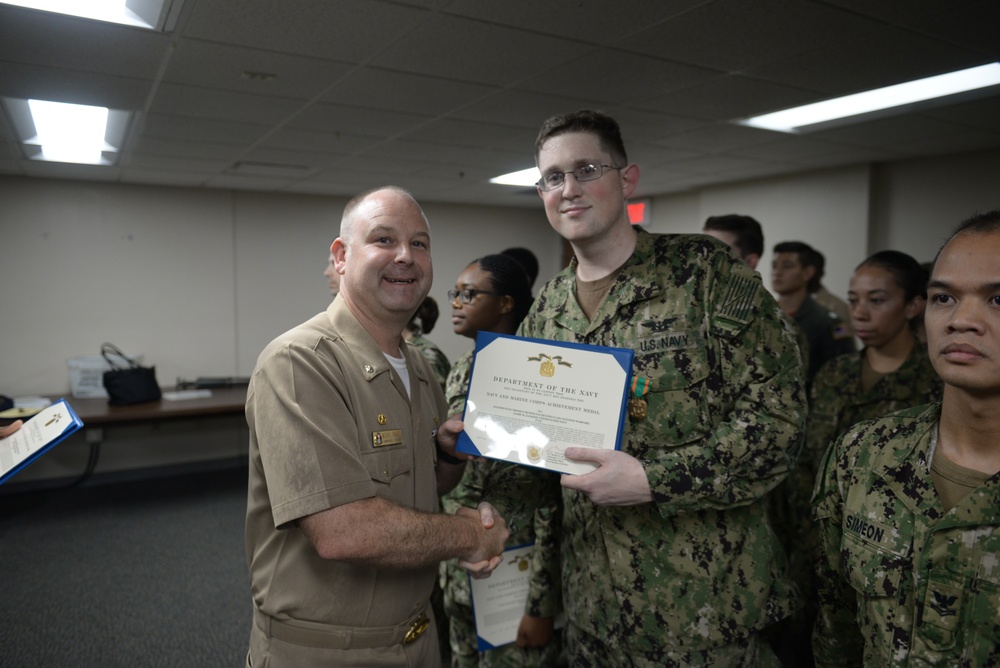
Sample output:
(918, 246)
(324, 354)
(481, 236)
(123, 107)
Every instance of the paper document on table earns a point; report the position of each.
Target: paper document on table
(49, 427)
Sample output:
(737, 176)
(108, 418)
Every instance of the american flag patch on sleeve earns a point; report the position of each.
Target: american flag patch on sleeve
(741, 294)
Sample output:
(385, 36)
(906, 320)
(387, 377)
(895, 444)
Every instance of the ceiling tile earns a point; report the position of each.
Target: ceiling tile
(729, 97)
(734, 35)
(594, 21)
(342, 118)
(404, 91)
(244, 70)
(476, 52)
(626, 78)
(870, 59)
(206, 103)
(351, 31)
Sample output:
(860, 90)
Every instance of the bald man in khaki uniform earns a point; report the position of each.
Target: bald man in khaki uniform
(347, 430)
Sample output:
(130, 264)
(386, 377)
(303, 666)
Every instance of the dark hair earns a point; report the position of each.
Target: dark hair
(425, 317)
(508, 277)
(749, 236)
(527, 260)
(905, 270)
(585, 120)
(808, 257)
(980, 223)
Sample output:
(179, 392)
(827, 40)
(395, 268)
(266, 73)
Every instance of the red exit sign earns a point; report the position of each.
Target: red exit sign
(639, 211)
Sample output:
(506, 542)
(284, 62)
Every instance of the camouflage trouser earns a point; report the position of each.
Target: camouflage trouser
(587, 651)
(462, 633)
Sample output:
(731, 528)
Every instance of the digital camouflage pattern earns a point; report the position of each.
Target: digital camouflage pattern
(700, 567)
(901, 582)
(434, 355)
(836, 403)
(456, 388)
(529, 502)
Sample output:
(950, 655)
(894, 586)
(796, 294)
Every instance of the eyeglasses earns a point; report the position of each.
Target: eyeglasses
(468, 294)
(554, 180)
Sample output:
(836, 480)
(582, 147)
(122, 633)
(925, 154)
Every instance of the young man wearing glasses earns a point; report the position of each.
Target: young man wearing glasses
(668, 557)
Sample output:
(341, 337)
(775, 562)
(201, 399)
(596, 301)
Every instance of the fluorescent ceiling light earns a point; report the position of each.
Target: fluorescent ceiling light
(62, 132)
(69, 132)
(150, 14)
(525, 177)
(868, 104)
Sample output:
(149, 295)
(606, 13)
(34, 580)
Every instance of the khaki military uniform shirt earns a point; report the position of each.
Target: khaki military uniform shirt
(901, 582)
(330, 423)
(699, 567)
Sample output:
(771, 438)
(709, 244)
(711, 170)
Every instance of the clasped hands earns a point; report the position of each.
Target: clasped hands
(492, 537)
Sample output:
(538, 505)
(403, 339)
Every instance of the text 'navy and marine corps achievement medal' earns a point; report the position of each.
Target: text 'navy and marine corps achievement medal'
(637, 405)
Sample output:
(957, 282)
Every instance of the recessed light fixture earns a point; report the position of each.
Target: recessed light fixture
(160, 15)
(878, 102)
(524, 178)
(63, 132)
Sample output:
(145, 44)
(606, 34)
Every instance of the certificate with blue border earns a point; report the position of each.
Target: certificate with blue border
(530, 399)
(498, 602)
(37, 436)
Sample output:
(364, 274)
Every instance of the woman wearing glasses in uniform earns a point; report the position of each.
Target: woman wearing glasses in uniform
(493, 294)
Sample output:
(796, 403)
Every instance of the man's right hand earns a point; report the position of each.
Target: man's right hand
(492, 533)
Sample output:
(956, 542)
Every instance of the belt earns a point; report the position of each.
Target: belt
(328, 636)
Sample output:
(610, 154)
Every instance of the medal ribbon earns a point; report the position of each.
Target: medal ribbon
(640, 386)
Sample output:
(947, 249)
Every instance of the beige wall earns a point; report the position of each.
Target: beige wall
(852, 212)
(200, 280)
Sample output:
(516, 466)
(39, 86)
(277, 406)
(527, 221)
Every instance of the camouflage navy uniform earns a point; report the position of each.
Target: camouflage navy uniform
(836, 403)
(437, 359)
(901, 582)
(531, 508)
(699, 568)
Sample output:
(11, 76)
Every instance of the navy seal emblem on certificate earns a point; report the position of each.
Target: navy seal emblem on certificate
(530, 399)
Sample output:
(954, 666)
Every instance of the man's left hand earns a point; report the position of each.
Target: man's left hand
(447, 436)
(619, 479)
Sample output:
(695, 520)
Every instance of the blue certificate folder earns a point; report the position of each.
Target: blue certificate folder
(38, 435)
(529, 399)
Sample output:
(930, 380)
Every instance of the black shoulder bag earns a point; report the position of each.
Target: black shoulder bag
(126, 385)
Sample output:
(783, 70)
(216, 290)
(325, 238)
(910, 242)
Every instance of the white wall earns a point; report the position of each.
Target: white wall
(198, 281)
(918, 203)
(852, 212)
(827, 209)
